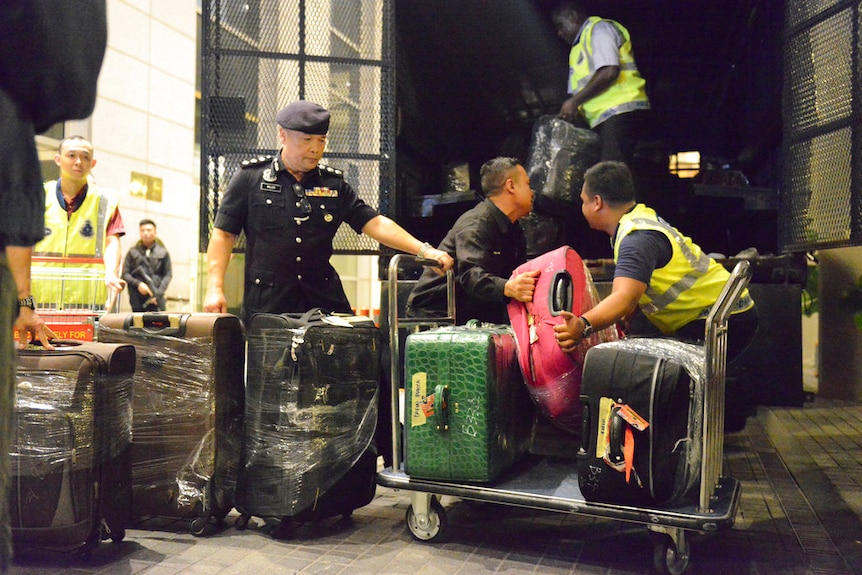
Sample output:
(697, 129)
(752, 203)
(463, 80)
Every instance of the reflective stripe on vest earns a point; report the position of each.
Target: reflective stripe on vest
(626, 94)
(688, 284)
(65, 236)
(60, 285)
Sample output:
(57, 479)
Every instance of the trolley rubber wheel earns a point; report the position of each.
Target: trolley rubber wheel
(667, 559)
(432, 529)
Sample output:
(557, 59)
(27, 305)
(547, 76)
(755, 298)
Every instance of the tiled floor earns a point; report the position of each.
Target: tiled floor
(800, 513)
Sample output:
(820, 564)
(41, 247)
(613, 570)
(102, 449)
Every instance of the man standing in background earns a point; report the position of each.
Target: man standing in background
(147, 270)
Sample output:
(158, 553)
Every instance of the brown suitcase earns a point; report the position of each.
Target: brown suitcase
(188, 407)
(70, 454)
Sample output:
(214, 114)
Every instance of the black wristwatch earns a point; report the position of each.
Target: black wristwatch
(588, 327)
(27, 302)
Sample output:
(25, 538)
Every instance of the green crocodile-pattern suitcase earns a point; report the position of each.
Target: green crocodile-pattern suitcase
(467, 413)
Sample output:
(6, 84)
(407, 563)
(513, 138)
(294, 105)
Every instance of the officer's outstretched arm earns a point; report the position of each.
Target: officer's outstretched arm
(389, 233)
(218, 257)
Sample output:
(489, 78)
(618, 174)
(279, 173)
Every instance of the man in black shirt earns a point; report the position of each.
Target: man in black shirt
(487, 244)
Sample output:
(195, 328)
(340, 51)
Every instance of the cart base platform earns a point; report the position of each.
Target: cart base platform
(551, 484)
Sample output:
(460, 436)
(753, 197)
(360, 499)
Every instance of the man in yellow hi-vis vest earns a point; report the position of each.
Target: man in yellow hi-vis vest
(605, 87)
(664, 275)
(81, 223)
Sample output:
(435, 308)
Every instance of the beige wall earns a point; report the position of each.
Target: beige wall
(144, 122)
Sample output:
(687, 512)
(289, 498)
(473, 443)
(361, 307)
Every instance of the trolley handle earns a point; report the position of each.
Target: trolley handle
(395, 323)
(715, 363)
(733, 288)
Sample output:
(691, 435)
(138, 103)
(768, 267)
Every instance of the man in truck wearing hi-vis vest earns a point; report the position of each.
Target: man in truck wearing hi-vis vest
(605, 87)
(83, 227)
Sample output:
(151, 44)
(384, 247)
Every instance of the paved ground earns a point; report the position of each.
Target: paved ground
(799, 514)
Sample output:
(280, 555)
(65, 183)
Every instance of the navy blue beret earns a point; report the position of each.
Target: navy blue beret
(304, 116)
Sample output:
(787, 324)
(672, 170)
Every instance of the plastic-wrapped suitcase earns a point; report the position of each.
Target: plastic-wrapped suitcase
(311, 414)
(71, 469)
(188, 410)
(553, 377)
(642, 421)
(467, 415)
(559, 155)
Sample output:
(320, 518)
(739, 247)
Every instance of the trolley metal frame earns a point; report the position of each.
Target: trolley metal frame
(70, 320)
(542, 483)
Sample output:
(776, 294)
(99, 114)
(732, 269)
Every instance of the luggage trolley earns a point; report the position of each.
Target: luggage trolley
(75, 295)
(540, 483)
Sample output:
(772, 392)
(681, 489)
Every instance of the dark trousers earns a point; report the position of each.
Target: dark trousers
(620, 134)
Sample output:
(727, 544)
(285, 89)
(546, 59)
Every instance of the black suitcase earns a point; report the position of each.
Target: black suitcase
(188, 409)
(70, 450)
(559, 154)
(642, 420)
(311, 413)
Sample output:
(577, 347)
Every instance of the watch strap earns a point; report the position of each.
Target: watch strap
(588, 327)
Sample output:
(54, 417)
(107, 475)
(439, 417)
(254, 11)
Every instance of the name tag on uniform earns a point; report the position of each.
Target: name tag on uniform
(322, 193)
(267, 187)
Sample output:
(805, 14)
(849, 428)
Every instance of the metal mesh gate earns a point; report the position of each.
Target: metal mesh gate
(259, 55)
(822, 175)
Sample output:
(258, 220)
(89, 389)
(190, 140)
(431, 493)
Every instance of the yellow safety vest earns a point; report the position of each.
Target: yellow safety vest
(73, 285)
(687, 286)
(627, 94)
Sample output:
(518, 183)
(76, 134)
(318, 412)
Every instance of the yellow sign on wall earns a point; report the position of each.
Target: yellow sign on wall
(144, 186)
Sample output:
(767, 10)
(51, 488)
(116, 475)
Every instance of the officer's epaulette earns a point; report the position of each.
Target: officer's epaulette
(254, 162)
(327, 171)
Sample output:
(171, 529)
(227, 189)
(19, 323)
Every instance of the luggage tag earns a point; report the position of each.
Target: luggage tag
(619, 438)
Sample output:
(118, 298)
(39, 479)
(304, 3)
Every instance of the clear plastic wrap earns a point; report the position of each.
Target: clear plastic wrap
(692, 358)
(69, 447)
(559, 155)
(311, 412)
(187, 420)
(552, 376)
(92, 430)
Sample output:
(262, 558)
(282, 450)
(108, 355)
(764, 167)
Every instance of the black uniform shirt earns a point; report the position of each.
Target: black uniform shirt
(287, 265)
(486, 246)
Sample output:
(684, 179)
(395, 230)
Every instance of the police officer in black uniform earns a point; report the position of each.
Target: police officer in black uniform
(290, 208)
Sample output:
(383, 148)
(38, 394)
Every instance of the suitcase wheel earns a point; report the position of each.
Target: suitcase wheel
(242, 522)
(201, 526)
(115, 534)
(432, 527)
(670, 552)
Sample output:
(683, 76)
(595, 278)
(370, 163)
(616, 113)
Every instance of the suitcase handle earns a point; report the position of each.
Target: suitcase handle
(158, 323)
(561, 294)
(57, 342)
(585, 426)
(441, 406)
(616, 428)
